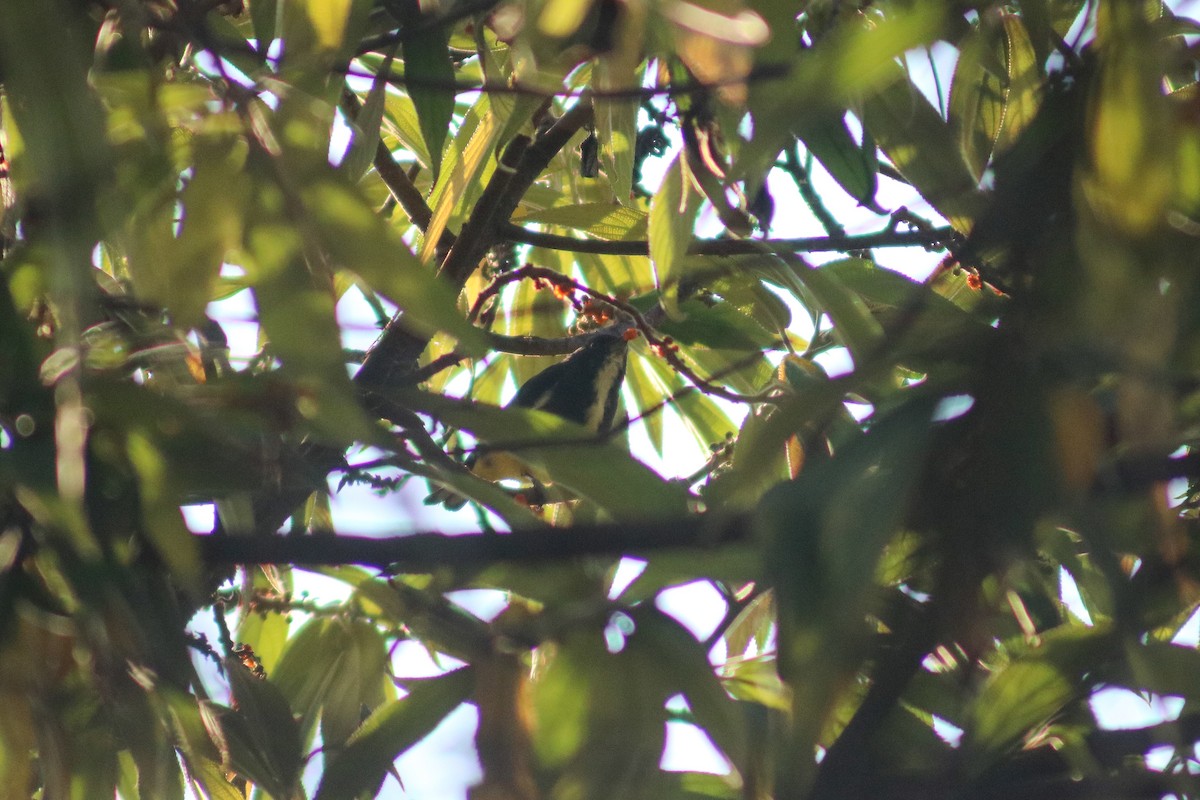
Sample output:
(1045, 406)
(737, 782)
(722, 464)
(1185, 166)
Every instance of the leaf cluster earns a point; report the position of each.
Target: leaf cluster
(900, 479)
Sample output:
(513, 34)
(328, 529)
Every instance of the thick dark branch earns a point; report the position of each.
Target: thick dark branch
(520, 165)
(391, 361)
(934, 237)
(425, 551)
(407, 195)
(479, 231)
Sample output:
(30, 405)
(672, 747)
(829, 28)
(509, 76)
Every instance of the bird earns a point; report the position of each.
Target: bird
(583, 388)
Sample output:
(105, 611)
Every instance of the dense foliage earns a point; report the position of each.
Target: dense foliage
(931, 558)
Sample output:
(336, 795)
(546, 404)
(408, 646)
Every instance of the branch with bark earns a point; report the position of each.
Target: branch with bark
(421, 552)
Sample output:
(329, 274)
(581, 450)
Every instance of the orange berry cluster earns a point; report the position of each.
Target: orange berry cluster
(667, 345)
(245, 654)
(595, 311)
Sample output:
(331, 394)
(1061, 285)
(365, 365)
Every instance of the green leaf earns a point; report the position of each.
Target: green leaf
(854, 59)
(366, 127)
(647, 392)
(233, 45)
(601, 220)
(1021, 698)
(853, 165)
(400, 120)
(17, 741)
(160, 494)
(673, 212)
(736, 369)
(561, 18)
(717, 325)
(360, 671)
(181, 272)
(211, 777)
(755, 469)
(494, 497)
(853, 322)
(1048, 21)
(1162, 668)
(363, 243)
(976, 108)
(469, 161)
(1032, 690)
(851, 505)
(307, 668)
(301, 324)
(752, 297)
(616, 122)
(563, 695)
(706, 421)
(1133, 172)
(827, 530)
(267, 634)
(685, 661)
(922, 146)
(322, 28)
(264, 739)
(936, 328)
(600, 714)
(155, 760)
(387, 733)
(1023, 95)
(598, 471)
(263, 14)
(427, 63)
(756, 680)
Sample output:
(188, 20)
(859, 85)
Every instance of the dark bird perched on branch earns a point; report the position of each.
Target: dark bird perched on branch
(584, 388)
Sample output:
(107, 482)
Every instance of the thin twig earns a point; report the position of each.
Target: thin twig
(800, 177)
(765, 72)
(662, 346)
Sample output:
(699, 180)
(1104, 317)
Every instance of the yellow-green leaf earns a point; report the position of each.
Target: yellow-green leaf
(673, 212)
(601, 220)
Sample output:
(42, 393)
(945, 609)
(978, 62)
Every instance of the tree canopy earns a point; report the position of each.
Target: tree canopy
(942, 512)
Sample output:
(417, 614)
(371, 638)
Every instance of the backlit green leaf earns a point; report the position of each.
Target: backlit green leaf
(672, 216)
(853, 165)
(922, 146)
(1023, 94)
(568, 454)
(362, 765)
(616, 123)
(427, 64)
(976, 107)
(601, 220)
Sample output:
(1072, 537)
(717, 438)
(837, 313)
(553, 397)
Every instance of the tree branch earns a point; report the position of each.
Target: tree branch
(520, 165)
(391, 360)
(762, 73)
(394, 177)
(517, 345)
(932, 238)
(425, 551)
